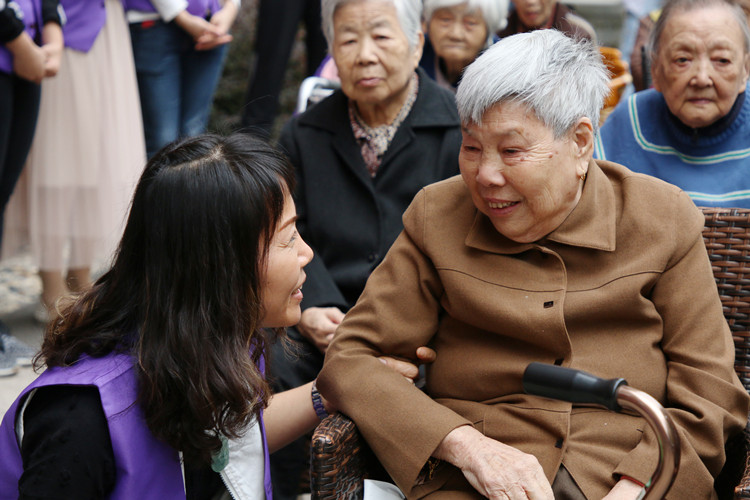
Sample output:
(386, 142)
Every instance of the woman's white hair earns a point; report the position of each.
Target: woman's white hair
(672, 7)
(409, 14)
(494, 12)
(556, 77)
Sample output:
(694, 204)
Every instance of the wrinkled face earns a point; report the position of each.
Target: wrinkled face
(701, 65)
(283, 277)
(519, 175)
(372, 52)
(457, 34)
(534, 13)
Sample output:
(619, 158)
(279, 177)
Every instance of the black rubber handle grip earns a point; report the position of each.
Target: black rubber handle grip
(574, 386)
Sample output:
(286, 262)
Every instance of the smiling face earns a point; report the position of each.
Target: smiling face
(534, 13)
(283, 275)
(701, 66)
(519, 175)
(457, 34)
(373, 57)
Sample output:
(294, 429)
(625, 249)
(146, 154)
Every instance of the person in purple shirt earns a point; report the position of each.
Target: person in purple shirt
(87, 153)
(161, 362)
(30, 48)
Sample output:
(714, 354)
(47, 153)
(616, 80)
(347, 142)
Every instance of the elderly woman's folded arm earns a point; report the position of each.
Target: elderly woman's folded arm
(402, 424)
(703, 394)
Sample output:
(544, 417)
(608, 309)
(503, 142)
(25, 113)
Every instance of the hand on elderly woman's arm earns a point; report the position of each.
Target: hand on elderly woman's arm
(318, 325)
(291, 414)
(494, 469)
(408, 369)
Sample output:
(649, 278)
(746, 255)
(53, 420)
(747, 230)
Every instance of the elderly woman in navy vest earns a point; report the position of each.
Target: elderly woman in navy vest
(155, 385)
(179, 48)
(693, 128)
(456, 32)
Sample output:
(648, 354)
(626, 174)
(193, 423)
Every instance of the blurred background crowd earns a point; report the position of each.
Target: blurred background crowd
(152, 71)
(274, 46)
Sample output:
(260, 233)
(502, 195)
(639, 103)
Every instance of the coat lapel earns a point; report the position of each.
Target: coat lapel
(579, 229)
(327, 115)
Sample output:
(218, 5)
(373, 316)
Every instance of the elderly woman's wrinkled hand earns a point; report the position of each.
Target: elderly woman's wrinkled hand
(318, 325)
(494, 469)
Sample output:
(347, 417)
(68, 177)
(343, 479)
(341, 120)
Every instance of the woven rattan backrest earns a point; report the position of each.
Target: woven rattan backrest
(727, 238)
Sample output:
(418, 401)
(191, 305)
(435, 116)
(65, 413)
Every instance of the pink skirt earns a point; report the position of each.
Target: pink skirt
(88, 152)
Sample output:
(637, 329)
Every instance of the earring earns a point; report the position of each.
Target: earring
(583, 176)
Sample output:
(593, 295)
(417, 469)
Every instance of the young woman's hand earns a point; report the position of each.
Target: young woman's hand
(52, 37)
(223, 21)
(28, 58)
(410, 370)
(195, 26)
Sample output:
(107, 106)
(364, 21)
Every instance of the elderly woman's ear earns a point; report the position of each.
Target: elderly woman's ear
(418, 47)
(583, 142)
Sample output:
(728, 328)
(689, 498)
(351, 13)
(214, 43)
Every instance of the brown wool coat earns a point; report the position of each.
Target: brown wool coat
(623, 288)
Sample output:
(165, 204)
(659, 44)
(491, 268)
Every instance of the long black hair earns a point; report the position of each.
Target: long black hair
(184, 292)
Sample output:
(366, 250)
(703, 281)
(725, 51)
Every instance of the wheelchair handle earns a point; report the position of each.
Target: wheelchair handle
(575, 386)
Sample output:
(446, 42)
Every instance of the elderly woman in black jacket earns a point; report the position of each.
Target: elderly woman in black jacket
(360, 157)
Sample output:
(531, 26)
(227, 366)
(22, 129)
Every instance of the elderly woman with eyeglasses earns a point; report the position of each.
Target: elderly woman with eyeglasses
(537, 252)
(457, 31)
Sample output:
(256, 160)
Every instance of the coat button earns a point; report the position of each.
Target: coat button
(372, 257)
(548, 304)
(559, 443)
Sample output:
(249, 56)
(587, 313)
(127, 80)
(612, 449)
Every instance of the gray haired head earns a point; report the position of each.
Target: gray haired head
(675, 6)
(558, 78)
(409, 14)
(494, 12)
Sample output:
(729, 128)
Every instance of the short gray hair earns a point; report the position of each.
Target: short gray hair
(409, 13)
(673, 6)
(494, 12)
(558, 78)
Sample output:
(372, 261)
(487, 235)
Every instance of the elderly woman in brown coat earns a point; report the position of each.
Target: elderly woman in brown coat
(539, 253)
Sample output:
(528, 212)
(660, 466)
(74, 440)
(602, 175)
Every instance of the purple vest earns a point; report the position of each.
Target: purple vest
(199, 8)
(146, 467)
(32, 12)
(85, 19)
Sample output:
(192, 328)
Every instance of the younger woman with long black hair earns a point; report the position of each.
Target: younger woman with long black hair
(155, 383)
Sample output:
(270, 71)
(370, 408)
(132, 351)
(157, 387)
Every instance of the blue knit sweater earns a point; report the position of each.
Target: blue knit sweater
(712, 165)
